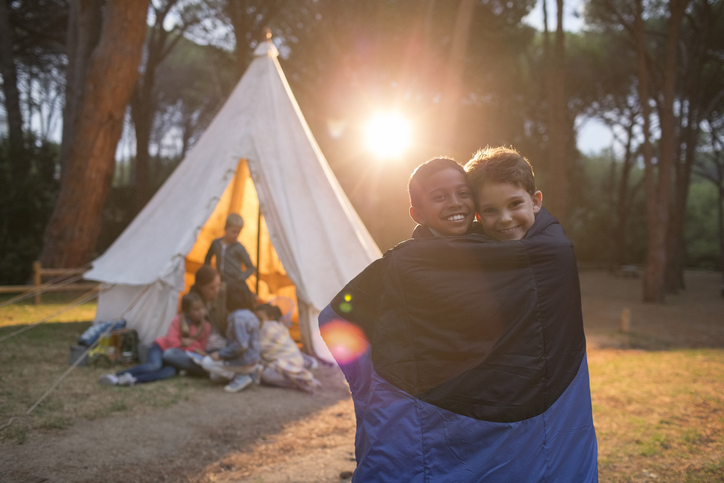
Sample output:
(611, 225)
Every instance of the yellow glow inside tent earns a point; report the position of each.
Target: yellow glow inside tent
(240, 197)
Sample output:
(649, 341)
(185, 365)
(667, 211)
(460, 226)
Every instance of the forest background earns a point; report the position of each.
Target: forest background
(103, 98)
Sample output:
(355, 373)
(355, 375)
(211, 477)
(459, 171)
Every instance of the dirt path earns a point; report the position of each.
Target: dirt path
(272, 425)
(267, 435)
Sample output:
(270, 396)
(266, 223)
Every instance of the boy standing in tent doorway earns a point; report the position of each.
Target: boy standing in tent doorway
(234, 265)
(231, 255)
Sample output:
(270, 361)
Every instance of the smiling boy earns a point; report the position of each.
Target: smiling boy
(440, 198)
(504, 187)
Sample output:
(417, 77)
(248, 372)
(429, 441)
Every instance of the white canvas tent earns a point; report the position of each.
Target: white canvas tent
(257, 158)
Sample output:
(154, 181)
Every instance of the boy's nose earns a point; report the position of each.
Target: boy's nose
(505, 216)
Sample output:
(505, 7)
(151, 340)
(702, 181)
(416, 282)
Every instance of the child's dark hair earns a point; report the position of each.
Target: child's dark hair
(424, 171)
(205, 275)
(189, 299)
(500, 165)
(271, 311)
(238, 296)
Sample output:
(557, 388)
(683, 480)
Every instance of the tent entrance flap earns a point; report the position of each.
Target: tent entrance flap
(240, 197)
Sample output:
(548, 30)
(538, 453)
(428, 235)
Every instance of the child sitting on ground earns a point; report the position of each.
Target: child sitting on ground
(238, 362)
(189, 331)
(284, 364)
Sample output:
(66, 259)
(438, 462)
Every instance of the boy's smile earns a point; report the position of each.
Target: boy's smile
(446, 203)
(507, 211)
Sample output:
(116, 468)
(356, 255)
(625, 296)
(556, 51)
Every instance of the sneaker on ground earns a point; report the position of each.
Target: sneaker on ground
(240, 382)
(310, 362)
(126, 379)
(109, 380)
(256, 375)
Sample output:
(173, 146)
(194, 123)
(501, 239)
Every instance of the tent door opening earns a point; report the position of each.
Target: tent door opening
(273, 283)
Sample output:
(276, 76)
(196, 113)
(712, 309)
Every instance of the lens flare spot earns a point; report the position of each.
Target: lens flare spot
(347, 297)
(345, 307)
(388, 135)
(346, 341)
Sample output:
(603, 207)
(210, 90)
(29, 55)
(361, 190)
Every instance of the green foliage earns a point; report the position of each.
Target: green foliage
(592, 211)
(701, 237)
(27, 197)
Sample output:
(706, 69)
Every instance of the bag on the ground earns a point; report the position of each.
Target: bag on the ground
(94, 331)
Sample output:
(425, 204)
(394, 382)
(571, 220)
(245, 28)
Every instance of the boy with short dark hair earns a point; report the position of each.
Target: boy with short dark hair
(475, 365)
(440, 198)
(231, 255)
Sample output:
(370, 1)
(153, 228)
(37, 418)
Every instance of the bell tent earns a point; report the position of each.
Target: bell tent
(257, 158)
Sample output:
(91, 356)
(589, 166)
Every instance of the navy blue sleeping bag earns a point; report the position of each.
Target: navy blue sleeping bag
(476, 365)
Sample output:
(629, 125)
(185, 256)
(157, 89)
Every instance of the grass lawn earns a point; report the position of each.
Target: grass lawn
(659, 415)
(32, 361)
(26, 312)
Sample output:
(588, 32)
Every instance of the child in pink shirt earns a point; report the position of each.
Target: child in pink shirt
(189, 331)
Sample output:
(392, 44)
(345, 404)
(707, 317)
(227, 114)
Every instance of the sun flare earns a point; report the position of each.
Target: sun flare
(388, 135)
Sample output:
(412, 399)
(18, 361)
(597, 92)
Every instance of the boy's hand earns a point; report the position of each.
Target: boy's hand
(187, 341)
(214, 356)
(200, 351)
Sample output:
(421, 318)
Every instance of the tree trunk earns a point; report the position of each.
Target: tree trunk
(558, 130)
(658, 188)
(12, 96)
(656, 255)
(143, 102)
(623, 203)
(703, 20)
(720, 212)
(142, 117)
(111, 74)
(84, 29)
(675, 258)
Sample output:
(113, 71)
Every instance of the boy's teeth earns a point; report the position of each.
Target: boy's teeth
(456, 217)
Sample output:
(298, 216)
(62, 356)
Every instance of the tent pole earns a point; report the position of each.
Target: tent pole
(258, 249)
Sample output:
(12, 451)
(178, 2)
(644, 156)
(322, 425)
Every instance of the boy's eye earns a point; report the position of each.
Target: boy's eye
(488, 211)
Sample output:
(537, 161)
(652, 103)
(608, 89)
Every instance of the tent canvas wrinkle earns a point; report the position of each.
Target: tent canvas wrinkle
(313, 228)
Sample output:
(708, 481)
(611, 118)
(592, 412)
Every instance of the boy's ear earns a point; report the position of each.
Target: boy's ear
(537, 201)
(417, 216)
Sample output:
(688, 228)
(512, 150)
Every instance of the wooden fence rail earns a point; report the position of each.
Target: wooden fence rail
(40, 272)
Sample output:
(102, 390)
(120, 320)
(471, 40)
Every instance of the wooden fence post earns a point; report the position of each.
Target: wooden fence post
(37, 281)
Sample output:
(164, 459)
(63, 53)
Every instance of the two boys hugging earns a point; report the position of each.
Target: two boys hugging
(475, 362)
